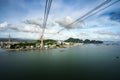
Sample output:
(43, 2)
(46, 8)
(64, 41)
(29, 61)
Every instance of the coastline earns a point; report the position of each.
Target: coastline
(64, 46)
(56, 47)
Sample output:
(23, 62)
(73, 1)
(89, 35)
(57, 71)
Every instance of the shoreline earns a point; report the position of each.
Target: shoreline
(64, 46)
(56, 47)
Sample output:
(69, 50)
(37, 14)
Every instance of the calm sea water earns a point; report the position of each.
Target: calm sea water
(87, 62)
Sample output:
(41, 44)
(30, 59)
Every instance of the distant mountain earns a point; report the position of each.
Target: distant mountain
(112, 42)
(75, 40)
(92, 41)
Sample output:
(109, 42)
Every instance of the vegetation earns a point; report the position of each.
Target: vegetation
(51, 43)
(75, 40)
(25, 44)
(47, 41)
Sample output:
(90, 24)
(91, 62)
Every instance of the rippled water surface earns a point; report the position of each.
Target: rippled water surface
(87, 62)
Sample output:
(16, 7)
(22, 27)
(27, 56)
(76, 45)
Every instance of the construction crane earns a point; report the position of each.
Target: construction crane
(8, 36)
(7, 42)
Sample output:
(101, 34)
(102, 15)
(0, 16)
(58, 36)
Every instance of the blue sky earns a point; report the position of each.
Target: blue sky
(23, 19)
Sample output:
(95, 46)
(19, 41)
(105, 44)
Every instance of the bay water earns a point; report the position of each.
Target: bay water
(86, 62)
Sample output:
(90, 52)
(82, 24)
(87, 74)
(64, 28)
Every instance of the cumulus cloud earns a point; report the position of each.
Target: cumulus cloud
(37, 22)
(33, 23)
(107, 35)
(30, 28)
(102, 22)
(83, 34)
(105, 32)
(20, 28)
(4, 25)
(68, 20)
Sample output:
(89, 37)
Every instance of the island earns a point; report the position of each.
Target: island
(17, 44)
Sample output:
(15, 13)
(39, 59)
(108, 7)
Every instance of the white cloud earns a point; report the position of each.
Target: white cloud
(107, 37)
(83, 34)
(102, 21)
(93, 26)
(66, 23)
(30, 28)
(37, 22)
(105, 32)
(19, 28)
(4, 25)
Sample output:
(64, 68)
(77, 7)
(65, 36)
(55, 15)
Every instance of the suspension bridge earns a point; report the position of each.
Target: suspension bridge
(48, 3)
(102, 6)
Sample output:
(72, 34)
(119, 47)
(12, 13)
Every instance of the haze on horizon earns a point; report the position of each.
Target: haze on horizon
(23, 19)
